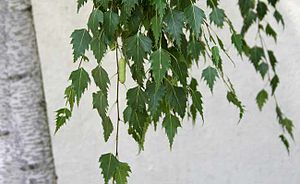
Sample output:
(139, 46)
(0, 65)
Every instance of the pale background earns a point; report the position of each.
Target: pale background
(219, 152)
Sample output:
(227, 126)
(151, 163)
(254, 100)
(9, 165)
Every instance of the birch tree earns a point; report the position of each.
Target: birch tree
(25, 145)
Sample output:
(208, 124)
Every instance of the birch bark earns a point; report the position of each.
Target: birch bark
(25, 145)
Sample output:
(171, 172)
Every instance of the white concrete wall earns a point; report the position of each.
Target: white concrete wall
(219, 152)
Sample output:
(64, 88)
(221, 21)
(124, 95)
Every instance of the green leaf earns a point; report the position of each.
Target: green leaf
(278, 17)
(285, 142)
(174, 24)
(80, 40)
(210, 75)
(217, 16)
(108, 163)
(70, 96)
(129, 5)
(136, 98)
(80, 80)
(274, 83)
(179, 68)
(246, 6)
(273, 2)
(155, 96)
(256, 54)
(108, 127)
(62, 115)
(272, 59)
(160, 63)
(100, 103)
(288, 125)
(195, 17)
(261, 9)
(137, 47)
(197, 102)
(177, 99)
(216, 58)
(171, 123)
(95, 19)
(212, 3)
(271, 32)
(160, 6)
(122, 173)
(99, 46)
(111, 22)
(232, 98)
(248, 21)
(263, 69)
(156, 26)
(80, 3)
(138, 123)
(101, 78)
(261, 98)
(237, 41)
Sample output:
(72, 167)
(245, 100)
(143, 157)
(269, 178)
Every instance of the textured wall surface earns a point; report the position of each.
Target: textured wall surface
(219, 152)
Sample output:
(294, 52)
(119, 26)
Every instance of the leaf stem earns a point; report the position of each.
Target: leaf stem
(118, 105)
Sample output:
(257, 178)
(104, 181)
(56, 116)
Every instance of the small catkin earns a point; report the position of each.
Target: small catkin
(122, 70)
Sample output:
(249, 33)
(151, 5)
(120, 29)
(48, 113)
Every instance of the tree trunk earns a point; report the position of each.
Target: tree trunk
(25, 145)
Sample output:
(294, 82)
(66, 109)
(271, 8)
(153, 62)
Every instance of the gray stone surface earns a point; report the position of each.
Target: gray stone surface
(219, 152)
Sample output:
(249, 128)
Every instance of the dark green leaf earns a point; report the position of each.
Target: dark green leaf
(195, 17)
(70, 96)
(62, 116)
(210, 75)
(80, 40)
(174, 24)
(160, 63)
(217, 16)
(99, 46)
(108, 163)
(111, 22)
(261, 9)
(232, 98)
(80, 80)
(101, 78)
(274, 83)
(261, 98)
(263, 69)
(285, 142)
(177, 99)
(271, 32)
(171, 123)
(95, 19)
